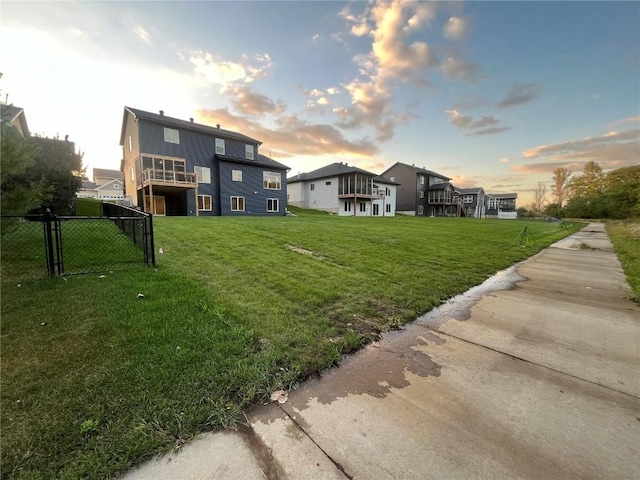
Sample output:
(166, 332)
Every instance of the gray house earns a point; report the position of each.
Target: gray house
(179, 167)
(472, 201)
(422, 192)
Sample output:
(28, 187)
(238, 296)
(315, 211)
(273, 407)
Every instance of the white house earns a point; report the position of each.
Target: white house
(343, 190)
(107, 185)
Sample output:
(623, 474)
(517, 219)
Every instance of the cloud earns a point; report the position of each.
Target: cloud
(323, 101)
(624, 121)
(612, 145)
(505, 160)
(315, 93)
(227, 73)
(333, 91)
(456, 28)
(291, 135)
(393, 58)
(519, 94)
(142, 33)
(316, 38)
(488, 131)
(248, 102)
(455, 68)
(467, 121)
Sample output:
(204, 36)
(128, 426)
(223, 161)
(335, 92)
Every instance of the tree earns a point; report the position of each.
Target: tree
(38, 173)
(60, 168)
(560, 189)
(622, 193)
(590, 183)
(19, 193)
(539, 197)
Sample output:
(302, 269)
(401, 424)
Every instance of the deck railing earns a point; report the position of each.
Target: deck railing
(168, 177)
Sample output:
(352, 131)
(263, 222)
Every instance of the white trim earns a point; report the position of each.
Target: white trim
(248, 151)
(220, 146)
(171, 135)
(236, 175)
(203, 209)
(237, 201)
(203, 174)
(277, 203)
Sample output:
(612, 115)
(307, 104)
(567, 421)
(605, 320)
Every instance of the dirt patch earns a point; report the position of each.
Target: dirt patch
(366, 317)
(309, 253)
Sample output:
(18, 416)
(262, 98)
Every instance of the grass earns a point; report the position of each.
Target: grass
(88, 207)
(95, 380)
(625, 236)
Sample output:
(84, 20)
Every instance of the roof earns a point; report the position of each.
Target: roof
(185, 124)
(11, 113)
(105, 172)
(335, 169)
(418, 170)
(469, 191)
(441, 186)
(503, 195)
(261, 160)
(87, 185)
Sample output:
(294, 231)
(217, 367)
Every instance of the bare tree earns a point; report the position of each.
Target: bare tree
(539, 197)
(560, 189)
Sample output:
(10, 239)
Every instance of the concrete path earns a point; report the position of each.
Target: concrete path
(534, 374)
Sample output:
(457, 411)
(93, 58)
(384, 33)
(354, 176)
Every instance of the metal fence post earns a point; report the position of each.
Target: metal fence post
(48, 242)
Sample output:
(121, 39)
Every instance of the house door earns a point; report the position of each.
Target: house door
(376, 209)
(159, 204)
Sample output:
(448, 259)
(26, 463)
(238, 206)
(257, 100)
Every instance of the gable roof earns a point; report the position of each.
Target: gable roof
(185, 124)
(503, 195)
(333, 170)
(12, 114)
(470, 191)
(106, 185)
(107, 173)
(441, 186)
(87, 185)
(417, 170)
(260, 160)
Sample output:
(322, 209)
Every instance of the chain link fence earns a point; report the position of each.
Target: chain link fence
(33, 246)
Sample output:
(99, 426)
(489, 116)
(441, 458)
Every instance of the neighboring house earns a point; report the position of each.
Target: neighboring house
(501, 205)
(15, 116)
(344, 190)
(107, 185)
(179, 167)
(472, 202)
(422, 192)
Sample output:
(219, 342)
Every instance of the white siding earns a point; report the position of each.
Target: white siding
(323, 196)
(294, 194)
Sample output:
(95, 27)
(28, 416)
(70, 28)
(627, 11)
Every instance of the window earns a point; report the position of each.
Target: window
(393, 179)
(421, 179)
(327, 183)
(171, 135)
(347, 206)
(133, 174)
(493, 203)
(312, 187)
(421, 195)
(387, 191)
(204, 203)
(363, 207)
(203, 174)
(468, 199)
(271, 180)
(248, 152)
(130, 144)
(420, 209)
(388, 208)
(236, 175)
(376, 209)
(272, 205)
(220, 146)
(237, 204)
(116, 186)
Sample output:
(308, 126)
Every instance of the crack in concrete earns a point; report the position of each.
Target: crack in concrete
(261, 452)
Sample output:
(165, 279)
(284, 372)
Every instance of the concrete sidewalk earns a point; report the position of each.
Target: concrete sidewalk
(534, 374)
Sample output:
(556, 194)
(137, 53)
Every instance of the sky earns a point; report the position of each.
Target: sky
(491, 94)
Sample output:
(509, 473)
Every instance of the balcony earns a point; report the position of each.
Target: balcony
(167, 178)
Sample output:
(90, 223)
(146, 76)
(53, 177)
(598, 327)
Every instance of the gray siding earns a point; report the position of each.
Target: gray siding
(406, 193)
(251, 188)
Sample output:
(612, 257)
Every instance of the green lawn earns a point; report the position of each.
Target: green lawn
(625, 236)
(94, 379)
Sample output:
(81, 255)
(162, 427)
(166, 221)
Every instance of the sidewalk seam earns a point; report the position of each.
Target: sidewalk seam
(534, 363)
(336, 463)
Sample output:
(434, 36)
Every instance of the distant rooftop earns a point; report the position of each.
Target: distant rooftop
(333, 170)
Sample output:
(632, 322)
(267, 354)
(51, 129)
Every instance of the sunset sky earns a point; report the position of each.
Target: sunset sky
(492, 94)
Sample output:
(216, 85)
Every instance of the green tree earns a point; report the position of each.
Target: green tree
(622, 192)
(60, 168)
(590, 183)
(560, 189)
(19, 192)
